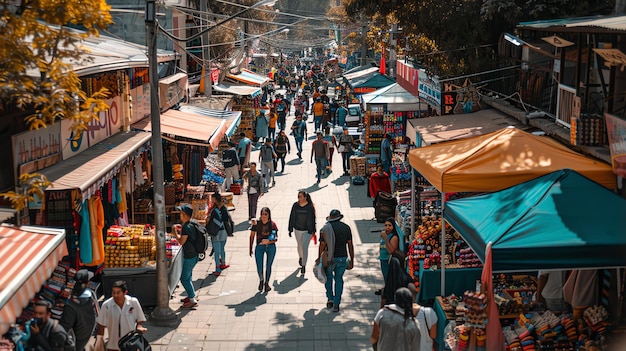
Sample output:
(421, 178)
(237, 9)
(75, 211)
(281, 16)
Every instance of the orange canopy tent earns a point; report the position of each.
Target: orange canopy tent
(499, 160)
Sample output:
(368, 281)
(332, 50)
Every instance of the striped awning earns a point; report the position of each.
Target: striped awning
(29, 255)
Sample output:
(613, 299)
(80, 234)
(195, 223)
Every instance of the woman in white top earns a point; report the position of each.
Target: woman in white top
(426, 319)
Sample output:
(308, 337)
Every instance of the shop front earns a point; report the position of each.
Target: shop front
(363, 82)
(249, 104)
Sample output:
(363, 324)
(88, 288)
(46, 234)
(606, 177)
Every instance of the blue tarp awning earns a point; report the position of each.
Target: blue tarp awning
(561, 220)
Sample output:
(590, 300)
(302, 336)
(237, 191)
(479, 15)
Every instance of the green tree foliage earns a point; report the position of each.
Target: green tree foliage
(454, 25)
(37, 51)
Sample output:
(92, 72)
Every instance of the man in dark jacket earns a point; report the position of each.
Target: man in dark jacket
(80, 310)
(231, 165)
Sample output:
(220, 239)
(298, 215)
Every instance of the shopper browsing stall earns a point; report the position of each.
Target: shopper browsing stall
(186, 234)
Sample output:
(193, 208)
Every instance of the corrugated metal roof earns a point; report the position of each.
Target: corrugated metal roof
(609, 23)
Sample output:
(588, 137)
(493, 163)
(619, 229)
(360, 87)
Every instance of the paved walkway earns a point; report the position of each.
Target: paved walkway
(233, 315)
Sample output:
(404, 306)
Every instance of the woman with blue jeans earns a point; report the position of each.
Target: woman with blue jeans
(218, 240)
(265, 233)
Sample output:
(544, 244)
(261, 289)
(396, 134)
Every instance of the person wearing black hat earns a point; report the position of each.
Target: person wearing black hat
(185, 235)
(230, 160)
(336, 240)
(80, 310)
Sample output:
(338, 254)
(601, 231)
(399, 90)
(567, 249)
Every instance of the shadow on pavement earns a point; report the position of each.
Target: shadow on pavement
(291, 282)
(369, 231)
(249, 305)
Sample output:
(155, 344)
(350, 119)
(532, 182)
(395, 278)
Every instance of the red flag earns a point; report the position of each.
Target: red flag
(495, 337)
(382, 61)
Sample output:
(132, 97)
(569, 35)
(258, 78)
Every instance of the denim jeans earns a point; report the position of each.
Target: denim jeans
(259, 252)
(185, 275)
(318, 122)
(384, 267)
(299, 141)
(218, 253)
(319, 165)
(334, 274)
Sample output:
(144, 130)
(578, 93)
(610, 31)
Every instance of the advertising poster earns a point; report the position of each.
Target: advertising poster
(616, 130)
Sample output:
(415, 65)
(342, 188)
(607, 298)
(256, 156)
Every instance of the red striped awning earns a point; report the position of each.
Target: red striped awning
(28, 255)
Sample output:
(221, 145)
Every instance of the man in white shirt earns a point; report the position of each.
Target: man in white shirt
(550, 290)
(119, 315)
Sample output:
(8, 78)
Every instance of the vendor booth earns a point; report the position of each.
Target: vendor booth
(248, 102)
(550, 227)
(88, 198)
(496, 161)
(29, 255)
(387, 111)
(364, 81)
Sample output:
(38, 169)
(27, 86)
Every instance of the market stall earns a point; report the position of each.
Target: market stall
(496, 161)
(248, 103)
(387, 111)
(29, 255)
(547, 229)
(362, 81)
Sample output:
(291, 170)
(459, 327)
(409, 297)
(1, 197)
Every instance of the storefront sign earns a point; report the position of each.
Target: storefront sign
(363, 90)
(448, 99)
(36, 149)
(407, 77)
(429, 90)
(140, 93)
(616, 130)
(109, 123)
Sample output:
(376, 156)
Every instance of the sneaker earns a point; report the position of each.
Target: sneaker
(189, 304)
(336, 308)
(329, 304)
(186, 299)
(267, 288)
(216, 273)
(224, 266)
(302, 270)
(261, 285)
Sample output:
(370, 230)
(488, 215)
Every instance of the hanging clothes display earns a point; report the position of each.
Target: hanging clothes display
(84, 242)
(96, 219)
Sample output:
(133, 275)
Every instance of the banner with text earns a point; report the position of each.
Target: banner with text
(616, 130)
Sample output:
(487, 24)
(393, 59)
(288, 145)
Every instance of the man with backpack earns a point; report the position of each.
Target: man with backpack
(81, 309)
(188, 236)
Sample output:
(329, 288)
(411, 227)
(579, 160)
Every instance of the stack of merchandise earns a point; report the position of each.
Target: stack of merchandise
(213, 176)
(122, 247)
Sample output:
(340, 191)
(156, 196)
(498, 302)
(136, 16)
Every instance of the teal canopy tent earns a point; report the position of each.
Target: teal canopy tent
(561, 220)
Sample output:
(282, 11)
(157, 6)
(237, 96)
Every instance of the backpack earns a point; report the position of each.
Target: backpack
(201, 240)
(134, 341)
(56, 332)
(229, 225)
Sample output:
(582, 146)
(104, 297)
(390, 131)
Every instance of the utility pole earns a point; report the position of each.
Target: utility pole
(364, 46)
(162, 314)
(206, 53)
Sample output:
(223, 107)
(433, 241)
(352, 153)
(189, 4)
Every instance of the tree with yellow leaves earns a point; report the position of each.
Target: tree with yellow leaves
(39, 44)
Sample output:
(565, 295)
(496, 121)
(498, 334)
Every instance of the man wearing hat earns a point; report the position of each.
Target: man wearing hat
(190, 256)
(230, 160)
(80, 310)
(336, 239)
